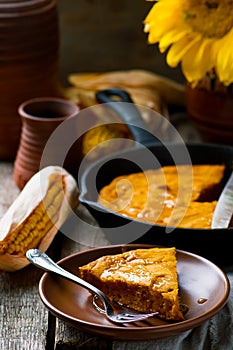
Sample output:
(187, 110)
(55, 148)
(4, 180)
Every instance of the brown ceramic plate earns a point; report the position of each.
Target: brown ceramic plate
(204, 288)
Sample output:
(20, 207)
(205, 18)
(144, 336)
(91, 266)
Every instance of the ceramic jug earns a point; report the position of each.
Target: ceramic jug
(29, 58)
(40, 118)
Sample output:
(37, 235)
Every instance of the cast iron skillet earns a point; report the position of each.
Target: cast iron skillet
(214, 244)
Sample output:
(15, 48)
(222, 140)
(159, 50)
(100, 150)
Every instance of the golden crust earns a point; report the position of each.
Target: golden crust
(182, 195)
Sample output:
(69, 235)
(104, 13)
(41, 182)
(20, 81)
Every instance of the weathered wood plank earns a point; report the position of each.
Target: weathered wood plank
(23, 319)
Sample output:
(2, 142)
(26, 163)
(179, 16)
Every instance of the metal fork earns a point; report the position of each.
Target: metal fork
(43, 261)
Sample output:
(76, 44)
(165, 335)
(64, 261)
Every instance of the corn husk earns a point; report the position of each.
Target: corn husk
(36, 215)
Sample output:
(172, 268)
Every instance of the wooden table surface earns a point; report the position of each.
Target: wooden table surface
(25, 323)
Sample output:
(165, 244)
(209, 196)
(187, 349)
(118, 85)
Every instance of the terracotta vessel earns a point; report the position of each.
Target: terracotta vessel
(40, 117)
(29, 57)
(211, 112)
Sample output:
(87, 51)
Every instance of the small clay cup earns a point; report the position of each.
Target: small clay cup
(40, 117)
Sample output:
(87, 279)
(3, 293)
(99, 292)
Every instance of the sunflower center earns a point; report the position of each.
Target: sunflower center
(211, 18)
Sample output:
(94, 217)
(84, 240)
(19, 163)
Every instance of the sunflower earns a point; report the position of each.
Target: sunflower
(197, 33)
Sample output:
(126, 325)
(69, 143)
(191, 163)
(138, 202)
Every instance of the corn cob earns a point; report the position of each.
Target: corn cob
(94, 139)
(36, 215)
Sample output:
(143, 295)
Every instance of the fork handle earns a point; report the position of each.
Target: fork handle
(43, 261)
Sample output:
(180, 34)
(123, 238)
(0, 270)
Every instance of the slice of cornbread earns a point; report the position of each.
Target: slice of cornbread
(143, 279)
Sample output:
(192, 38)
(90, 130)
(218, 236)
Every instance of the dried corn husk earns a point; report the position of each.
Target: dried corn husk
(141, 84)
(36, 215)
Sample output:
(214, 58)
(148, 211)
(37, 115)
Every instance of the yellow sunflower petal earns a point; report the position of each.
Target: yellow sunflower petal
(159, 21)
(197, 61)
(224, 58)
(170, 38)
(179, 49)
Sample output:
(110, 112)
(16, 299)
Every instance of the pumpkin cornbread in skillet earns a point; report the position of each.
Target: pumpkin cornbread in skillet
(143, 279)
(151, 196)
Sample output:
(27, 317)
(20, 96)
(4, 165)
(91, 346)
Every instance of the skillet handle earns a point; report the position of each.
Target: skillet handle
(129, 113)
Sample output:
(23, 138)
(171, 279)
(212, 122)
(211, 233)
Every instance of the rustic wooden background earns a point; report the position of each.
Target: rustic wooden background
(102, 35)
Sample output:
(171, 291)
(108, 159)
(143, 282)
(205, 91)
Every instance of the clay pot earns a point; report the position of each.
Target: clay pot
(211, 112)
(40, 117)
(29, 58)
